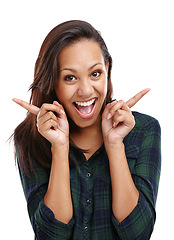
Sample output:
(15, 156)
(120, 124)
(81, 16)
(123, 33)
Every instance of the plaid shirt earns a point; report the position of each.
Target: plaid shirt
(91, 190)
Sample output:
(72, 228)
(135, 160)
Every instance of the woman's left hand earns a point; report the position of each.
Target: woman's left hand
(117, 118)
(117, 122)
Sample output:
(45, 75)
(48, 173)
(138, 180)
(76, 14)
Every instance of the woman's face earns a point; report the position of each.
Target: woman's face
(82, 83)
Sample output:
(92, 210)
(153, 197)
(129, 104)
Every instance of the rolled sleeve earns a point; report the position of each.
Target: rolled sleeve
(48, 227)
(139, 222)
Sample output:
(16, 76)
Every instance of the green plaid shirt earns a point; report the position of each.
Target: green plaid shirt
(91, 190)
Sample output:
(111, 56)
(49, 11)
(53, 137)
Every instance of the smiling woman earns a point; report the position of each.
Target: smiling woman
(108, 191)
(83, 93)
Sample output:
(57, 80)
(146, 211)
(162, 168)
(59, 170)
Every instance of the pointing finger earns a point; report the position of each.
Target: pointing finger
(31, 108)
(131, 102)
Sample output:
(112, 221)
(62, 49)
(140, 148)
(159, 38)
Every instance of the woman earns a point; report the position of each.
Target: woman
(89, 166)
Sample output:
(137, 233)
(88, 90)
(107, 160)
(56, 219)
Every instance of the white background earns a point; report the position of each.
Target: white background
(140, 38)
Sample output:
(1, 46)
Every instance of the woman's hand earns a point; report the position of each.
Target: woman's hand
(117, 122)
(54, 128)
(117, 119)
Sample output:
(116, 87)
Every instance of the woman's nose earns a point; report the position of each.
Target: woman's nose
(85, 89)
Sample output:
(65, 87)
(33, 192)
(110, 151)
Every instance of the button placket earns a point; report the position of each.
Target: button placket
(87, 205)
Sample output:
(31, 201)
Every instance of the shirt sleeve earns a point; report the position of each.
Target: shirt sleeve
(146, 173)
(44, 224)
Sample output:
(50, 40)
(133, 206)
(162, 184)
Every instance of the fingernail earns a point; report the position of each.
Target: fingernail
(16, 100)
(114, 125)
(109, 116)
(56, 103)
(61, 111)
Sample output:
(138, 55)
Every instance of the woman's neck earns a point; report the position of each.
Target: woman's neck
(89, 138)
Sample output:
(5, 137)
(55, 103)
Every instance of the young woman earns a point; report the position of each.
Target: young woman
(89, 166)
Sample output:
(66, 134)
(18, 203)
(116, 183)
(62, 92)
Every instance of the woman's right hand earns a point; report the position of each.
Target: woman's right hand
(54, 128)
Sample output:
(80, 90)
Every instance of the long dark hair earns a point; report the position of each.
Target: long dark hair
(28, 142)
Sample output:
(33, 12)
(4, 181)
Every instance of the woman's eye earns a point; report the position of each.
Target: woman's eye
(69, 78)
(96, 74)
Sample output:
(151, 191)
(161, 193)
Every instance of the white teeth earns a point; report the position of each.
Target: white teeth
(84, 104)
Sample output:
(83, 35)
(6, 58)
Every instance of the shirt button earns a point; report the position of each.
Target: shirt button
(88, 201)
(86, 229)
(88, 175)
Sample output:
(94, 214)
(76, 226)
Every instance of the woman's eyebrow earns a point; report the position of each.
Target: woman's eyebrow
(73, 70)
(68, 69)
(94, 65)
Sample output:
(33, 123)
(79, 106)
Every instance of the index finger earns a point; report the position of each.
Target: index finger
(31, 108)
(131, 102)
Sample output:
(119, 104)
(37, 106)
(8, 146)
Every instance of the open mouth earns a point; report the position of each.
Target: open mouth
(85, 109)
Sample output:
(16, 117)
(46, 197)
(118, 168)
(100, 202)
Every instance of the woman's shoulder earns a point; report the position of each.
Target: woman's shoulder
(147, 128)
(144, 121)
(145, 125)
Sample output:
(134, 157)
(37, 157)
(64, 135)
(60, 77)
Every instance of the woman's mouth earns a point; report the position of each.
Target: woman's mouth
(85, 109)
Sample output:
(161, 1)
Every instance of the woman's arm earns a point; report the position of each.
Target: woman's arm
(58, 195)
(118, 121)
(56, 130)
(124, 193)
